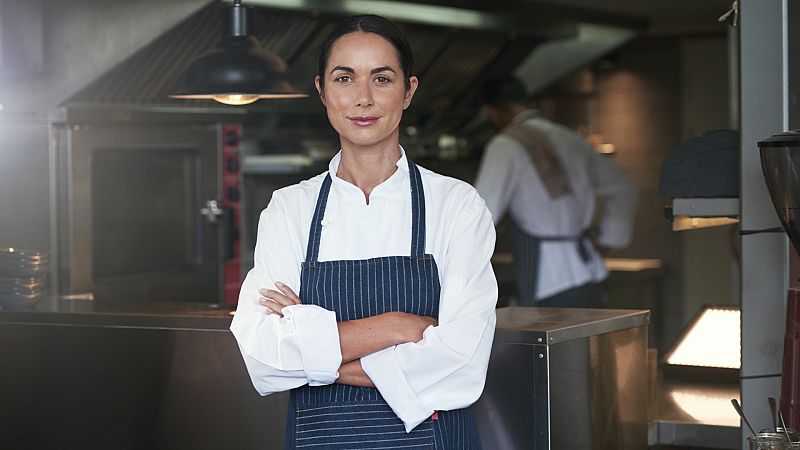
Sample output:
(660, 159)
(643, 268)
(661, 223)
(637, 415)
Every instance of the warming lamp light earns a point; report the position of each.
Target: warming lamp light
(237, 71)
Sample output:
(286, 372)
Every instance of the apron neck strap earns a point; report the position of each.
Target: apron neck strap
(417, 215)
(417, 211)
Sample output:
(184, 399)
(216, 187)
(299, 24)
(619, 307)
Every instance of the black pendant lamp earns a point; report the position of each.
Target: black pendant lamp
(238, 71)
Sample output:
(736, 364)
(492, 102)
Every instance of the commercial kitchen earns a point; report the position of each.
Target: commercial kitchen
(128, 215)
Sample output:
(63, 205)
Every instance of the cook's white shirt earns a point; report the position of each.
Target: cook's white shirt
(508, 181)
(447, 369)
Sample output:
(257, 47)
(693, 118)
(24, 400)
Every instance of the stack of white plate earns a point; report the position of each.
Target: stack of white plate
(23, 277)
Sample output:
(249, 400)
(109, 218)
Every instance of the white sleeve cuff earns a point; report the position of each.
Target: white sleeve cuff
(318, 339)
(384, 371)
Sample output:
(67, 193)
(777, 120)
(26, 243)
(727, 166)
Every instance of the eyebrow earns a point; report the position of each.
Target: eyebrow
(373, 71)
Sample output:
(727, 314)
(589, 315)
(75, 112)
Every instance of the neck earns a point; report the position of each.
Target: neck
(367, 167)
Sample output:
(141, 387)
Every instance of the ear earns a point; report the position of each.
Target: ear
(320, 91)
(413, 83)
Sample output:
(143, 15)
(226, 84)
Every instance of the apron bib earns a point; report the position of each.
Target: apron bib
(348, 417)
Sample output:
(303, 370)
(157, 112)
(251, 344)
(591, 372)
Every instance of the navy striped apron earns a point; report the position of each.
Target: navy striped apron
(340, 416)
(527, 251)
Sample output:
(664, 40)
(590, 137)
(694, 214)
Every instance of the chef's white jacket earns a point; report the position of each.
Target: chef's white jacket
(447, 368)
(509, 182)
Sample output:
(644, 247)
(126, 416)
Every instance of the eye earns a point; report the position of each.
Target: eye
(343, 79)
(381, 79)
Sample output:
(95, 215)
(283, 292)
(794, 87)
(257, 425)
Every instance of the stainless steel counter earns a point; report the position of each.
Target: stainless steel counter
(145, 376)
(566, 379)
(557, 325)
(170, 376)
(144, 315)
(681, 413)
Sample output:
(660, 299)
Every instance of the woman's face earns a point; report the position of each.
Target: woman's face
(364, 90)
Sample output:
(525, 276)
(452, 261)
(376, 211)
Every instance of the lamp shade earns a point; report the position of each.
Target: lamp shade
(238, 71)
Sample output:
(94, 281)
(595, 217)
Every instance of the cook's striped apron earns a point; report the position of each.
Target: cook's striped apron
(347, 417)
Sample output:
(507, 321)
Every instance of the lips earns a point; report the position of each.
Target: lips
(364, 121)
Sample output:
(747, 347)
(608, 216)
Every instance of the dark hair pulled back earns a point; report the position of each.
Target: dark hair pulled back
(503, 92)
(370, 23)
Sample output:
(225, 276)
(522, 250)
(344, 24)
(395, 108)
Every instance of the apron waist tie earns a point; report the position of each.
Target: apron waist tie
(582, 243)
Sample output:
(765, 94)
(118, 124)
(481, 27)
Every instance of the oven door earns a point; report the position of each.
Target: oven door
(141, 223)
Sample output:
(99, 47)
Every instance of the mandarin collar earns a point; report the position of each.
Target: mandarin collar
(351, 193)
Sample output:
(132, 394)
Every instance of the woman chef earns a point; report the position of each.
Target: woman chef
(388, 341)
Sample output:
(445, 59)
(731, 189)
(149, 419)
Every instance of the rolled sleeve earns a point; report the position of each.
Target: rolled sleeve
(283, 353)
(318, 342)
(385, 371)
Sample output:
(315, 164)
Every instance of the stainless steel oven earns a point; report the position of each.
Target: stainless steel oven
(139, 213)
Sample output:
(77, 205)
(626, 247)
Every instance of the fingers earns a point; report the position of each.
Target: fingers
(272, 307)
(277, 297)
(276, 300)
(288, 292)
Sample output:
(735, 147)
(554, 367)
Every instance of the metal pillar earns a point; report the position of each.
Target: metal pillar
(765, 105)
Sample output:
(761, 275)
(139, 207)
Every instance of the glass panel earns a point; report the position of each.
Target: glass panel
(145, 211)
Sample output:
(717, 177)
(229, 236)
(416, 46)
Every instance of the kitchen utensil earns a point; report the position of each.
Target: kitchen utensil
(740, 411)
(783, 424)
(773, 408)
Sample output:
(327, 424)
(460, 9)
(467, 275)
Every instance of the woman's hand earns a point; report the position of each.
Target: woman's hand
(275, 301)
(414, 326)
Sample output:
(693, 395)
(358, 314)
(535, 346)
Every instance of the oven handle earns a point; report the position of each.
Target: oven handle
(212, 211)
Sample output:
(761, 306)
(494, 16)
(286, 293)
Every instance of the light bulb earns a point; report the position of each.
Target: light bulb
(236, 99)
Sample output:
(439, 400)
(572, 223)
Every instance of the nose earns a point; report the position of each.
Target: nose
(364, 95)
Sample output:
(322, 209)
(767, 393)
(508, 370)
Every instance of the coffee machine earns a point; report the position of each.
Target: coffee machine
(780, 161)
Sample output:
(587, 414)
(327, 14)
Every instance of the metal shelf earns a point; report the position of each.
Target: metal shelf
(276, 164)
(705, 207)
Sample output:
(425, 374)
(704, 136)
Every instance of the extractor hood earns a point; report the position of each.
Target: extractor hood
(457, 45)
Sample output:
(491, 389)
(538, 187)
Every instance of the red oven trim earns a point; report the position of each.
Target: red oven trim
(231, 198)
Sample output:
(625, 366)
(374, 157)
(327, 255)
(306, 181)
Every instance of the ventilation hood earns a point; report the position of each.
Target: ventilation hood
(457, 45)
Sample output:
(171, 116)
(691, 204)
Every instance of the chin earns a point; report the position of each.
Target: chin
(363, 142)
(366, 138)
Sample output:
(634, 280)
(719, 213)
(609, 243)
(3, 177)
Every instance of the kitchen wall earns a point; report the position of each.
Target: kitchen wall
(650, 96)
(637, 109)
(710, 264)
